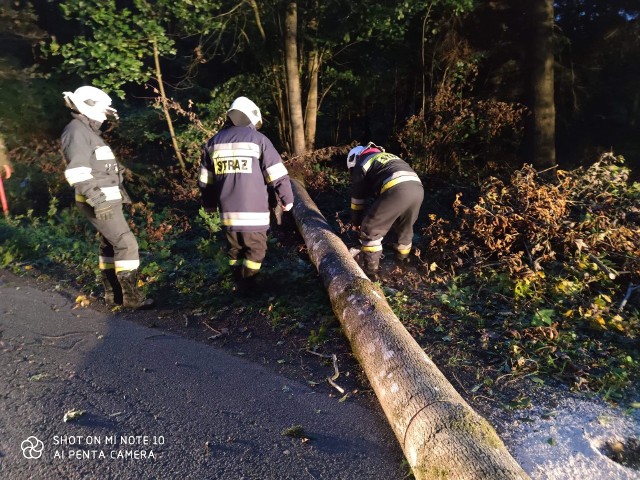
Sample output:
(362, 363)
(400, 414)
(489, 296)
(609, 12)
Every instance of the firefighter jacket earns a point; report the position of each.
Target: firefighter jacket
(91, 166)
(375, 173)
(237, 165)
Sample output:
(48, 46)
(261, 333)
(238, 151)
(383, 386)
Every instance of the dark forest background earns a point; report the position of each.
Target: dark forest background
(450, 83)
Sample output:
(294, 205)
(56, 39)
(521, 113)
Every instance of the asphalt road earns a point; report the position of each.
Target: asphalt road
(159, 406)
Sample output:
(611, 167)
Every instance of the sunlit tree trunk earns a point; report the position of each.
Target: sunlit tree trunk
(544, 112)
(293, 78)
(313, 66)
(441, 436)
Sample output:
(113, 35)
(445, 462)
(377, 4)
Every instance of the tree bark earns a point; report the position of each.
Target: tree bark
(544, 111)
(441, 436)
(293, 78)
(313, 68)
(311, 111)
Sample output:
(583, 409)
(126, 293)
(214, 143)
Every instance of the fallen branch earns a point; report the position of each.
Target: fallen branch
(218, 333)
(602, 266)
(336, 374)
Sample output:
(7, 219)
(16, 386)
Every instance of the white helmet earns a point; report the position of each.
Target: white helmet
(353, 155)
(243, 112)
(90, 102)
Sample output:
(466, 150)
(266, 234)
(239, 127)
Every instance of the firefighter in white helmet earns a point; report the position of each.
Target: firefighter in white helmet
(238, 164)
(96, 175)
(397, 195)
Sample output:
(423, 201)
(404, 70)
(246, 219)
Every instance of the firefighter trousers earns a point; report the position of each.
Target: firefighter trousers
(397, 210)
(118, 246)
(246, 250)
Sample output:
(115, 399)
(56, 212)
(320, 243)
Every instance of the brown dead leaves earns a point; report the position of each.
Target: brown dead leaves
(526, 224)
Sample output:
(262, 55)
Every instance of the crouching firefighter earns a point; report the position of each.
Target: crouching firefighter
(397, 194)
(237, 166)
(97, 177)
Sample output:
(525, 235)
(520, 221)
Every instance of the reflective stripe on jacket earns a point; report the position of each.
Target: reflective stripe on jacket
(90, 162)
(236, 166)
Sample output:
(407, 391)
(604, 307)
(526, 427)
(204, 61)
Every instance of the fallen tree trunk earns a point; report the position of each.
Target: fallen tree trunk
(440, 434)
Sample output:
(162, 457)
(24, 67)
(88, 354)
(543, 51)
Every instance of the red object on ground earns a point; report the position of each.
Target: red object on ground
(3, 198)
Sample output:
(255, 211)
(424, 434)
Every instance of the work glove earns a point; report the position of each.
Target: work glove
(96, 197)
(103, 212)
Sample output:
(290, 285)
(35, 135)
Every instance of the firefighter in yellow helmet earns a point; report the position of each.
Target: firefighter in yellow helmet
(97, 177)
(397, 195)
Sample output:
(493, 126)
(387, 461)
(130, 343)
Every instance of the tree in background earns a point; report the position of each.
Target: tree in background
(598, 66)
(116, 46)
(293, 79)
(542, 78)
(365, 67)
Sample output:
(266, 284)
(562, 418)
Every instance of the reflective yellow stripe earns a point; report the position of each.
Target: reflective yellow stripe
(373, 248)
(395, 181)
(382, 157)
(239, 148)
(367, 164)
(233, 262)
(232, 153)
(231, 222)
(106, 263)
(275, 172)
(125, 265)
(239, 219)
(357, 207)
(404, 251)
(80, 198)
(251, 265)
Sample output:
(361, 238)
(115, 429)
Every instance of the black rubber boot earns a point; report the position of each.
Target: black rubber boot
(236, 272)
(132, 297)
(402, 258)
(112, 288)
(374, 275)
(371, 266)
(247, 273)
(247, 283)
